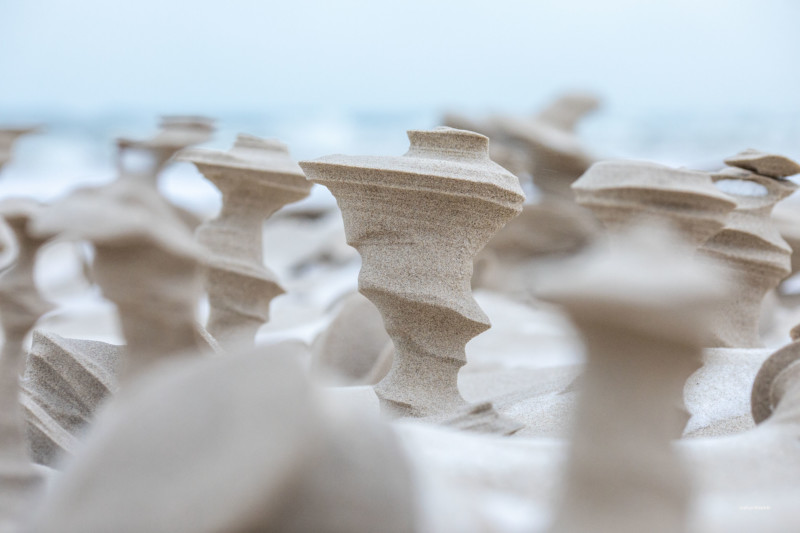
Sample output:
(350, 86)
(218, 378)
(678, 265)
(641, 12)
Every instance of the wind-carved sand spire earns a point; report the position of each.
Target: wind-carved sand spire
(256, 177)
(146, 262)
(750, 245)
(544, 146)
(418, 220)
(176, 133)
(543, 149)
(20, 307)
(566, 111)
(8, 136)
(67, 379)
(776, 390)
(144, 160)
(556, 154)
(642, 307)
(621, 193)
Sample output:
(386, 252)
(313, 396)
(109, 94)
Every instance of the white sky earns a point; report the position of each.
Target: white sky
(206, 56)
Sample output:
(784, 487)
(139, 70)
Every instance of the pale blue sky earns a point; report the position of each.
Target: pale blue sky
(215, 56)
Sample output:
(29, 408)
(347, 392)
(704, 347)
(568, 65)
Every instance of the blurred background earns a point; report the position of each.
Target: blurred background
(681, 82)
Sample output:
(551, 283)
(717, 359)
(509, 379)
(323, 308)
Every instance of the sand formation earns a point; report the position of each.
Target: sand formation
(546, 154)
(146, 263)
(750, 244)
(171, 433)
(545, 146)
(643, 307)
(256, 178)
(623, 193)
(146, 260)
(418, 220)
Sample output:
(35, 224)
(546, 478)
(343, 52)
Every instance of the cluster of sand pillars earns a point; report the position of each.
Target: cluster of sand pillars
(190, 427)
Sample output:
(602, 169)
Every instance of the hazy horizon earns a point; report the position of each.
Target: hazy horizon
(148, 56)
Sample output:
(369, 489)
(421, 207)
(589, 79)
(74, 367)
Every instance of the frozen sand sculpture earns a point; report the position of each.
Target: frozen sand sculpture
(544, 234)
(544, 146)
(256, 177)
(642, 307)
(556, 154)
(547, 149)
(754, 254)
(507, 156)
(623, 193)
(750, 245)
(272, 457)
(145, 159)
(175, 133)
(146, 263)
(418, 220)
(21, 305)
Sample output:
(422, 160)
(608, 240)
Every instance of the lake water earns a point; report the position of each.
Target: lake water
(80, 150)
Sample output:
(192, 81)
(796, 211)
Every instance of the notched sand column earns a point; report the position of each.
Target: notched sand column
(750, 245)
(256, 178)
(418, 220)
(146, 262)
(623, 193)
(642, 307)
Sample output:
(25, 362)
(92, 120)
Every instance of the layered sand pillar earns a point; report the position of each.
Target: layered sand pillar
(418, 220)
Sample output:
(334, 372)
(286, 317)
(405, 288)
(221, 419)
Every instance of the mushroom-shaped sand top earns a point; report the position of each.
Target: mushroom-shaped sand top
(618, 192)
(772, 165)
(557, 152)
(263, 161)
(434, 159)
(175, 132)
(612, 177)
(568, 109)
(120, 213)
